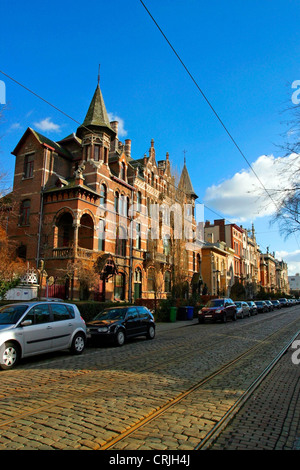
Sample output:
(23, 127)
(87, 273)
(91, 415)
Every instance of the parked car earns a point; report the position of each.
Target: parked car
(261, 306)
(253, 308)
(242, 309)
(31, 328)
(276, 304)
(218, 309)
(119, 323)
(284, 302)
(269, 305)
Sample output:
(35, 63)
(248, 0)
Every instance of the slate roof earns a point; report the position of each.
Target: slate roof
(185, 183)
(97, 115)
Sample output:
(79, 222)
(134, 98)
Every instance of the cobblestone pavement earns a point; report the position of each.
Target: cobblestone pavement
(64, 402)
(270, 419)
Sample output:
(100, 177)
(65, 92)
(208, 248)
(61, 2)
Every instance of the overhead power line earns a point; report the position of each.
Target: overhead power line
(207, 100)
(211, 107)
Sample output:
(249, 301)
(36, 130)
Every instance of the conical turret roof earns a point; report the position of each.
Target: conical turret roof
(185, 183)
(97, 115)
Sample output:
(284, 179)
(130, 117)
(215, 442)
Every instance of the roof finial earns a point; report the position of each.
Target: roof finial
(99, 74)
(184, 152)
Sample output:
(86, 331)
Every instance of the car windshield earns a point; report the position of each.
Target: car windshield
(259, 303)
(215, 303)
(10, 314)
(112, 314)
(238, 304)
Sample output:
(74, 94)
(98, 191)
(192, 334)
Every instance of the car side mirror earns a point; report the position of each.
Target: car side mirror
(26, 323)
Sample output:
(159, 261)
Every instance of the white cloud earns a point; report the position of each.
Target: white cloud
(121, 129)
(15, 126)
(243, 197)
(292, 259)
(47, 125)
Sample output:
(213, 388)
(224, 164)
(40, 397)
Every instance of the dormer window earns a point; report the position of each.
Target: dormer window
(97, 153)
(122, 171)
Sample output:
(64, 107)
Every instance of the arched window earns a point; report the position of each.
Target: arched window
(138, 201)
(86, 232)
(138, 241)
(137, 283)
(121, 242)
(101, 235)
(25, 212)
(103, 193)
(116, 203)
(122, 171)
(119, 290)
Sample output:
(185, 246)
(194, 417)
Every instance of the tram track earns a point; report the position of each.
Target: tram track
(220, 424)
(152, 415)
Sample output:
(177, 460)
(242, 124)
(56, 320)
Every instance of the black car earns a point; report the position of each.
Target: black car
(276, 304)
(218, 309)
(284, 302)
(261, 306)
(119, 323)
(253, 308)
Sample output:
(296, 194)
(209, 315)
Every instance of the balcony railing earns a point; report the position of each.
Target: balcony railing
(68, 252)
(63, 253)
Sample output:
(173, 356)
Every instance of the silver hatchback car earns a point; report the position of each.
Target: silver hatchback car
(31, 328)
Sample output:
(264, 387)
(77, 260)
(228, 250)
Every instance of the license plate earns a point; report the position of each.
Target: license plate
(208, 316)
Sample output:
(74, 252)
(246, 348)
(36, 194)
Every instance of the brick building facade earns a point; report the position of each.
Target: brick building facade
(85, 202)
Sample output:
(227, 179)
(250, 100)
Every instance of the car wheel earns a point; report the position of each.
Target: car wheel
(9, 356)
(78, 344)
(224, 319)
(201, 320)
(120, 338)
(234, 317)
(151, 332)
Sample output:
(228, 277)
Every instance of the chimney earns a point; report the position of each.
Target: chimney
(128, 147)
(114, 125)
(115, 143)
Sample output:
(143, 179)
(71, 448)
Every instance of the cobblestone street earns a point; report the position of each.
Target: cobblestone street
(96, 400)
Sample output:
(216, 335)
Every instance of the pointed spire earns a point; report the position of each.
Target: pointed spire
(185, 183)
(97, 115)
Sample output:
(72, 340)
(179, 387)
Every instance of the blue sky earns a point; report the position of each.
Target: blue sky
(243, 54)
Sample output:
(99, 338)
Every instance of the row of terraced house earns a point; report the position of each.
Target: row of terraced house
(104, 225)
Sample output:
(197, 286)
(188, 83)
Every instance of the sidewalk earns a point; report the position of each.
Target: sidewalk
(163, 326)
